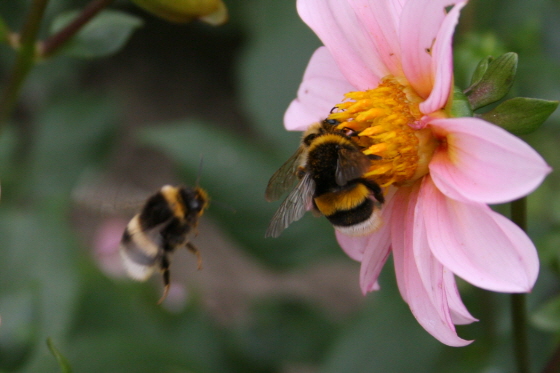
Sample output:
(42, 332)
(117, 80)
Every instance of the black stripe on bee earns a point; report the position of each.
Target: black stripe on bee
(360, 213)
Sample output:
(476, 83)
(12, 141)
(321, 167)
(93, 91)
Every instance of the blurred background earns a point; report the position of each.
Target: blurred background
(92, 138)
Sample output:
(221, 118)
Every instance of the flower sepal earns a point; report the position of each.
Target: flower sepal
(520, 115)
(496, 79)
(458, 106)
(481, 69)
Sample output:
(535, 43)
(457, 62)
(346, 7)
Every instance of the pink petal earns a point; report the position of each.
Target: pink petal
(477, 244)
(426, 297)
(381, 18)
(420, 24)
(483, 162)
(434, 275)
(372, 250)
(373, 261)
(399, 233)
(429, 269)
(442, 62)
(425, 311)
(350, 43)
(459, 313)
(323, 86)
(377, 251)
(353, 246)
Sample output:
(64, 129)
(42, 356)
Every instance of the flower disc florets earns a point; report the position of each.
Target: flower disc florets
(387, 119)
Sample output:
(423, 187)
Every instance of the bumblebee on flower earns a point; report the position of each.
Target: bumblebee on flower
(387, 68)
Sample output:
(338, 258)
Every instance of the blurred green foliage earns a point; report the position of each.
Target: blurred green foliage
(174, 94)
(62, 361)
(104, 35)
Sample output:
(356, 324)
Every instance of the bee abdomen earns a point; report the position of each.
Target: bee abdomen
(138, 251)
(138, 264)
(358, 214)
(346, 199)
(360, 221)
(352, 211)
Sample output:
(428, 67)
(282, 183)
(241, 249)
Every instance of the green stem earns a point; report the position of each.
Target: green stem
(520, 340)
(25, 59)
(518, 301)
(52, 44)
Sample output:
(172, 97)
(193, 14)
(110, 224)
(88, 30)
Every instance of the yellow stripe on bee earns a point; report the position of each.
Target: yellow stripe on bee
(331, 203)
(171, 194)
(330, 138)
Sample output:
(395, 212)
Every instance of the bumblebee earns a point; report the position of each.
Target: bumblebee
(330, 167)
(167, 221)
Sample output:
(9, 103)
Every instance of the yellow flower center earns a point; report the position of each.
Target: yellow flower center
(385, 119)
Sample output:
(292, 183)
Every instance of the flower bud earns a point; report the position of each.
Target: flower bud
(481, 69)
(213, 12)
(495, 82)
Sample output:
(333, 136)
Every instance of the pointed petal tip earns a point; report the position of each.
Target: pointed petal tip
(368, 287)
(511, 266)
(460, 343)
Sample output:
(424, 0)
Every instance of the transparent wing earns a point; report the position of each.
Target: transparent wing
(351, 165)
(293, 208)
(284, 178)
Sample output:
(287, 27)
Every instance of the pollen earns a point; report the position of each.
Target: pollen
(385, 119)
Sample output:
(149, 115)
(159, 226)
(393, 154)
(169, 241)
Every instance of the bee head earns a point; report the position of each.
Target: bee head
(195, 199)
(200, 201)
(331, 122)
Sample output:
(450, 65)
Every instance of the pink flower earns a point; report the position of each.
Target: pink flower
(387, 66)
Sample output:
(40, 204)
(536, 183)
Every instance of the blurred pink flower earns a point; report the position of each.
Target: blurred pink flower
(106, 243)
(391, 61)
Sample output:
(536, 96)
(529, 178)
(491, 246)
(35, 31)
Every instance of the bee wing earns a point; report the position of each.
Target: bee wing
(284, 178)
(294, 206)
(351, 164)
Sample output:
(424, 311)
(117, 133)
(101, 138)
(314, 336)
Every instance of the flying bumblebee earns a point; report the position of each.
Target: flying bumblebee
(167, 221)
(330, 168)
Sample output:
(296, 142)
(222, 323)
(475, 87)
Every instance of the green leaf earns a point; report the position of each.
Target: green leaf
(80, 125)
(520, 115)
(548, 316)
(481, 69)
(495, 83)
(102, 36)
(62, 361)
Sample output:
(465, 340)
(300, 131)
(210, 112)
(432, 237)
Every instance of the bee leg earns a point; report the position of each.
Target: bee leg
(375, 189)
(193, 249)
(164, 265)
